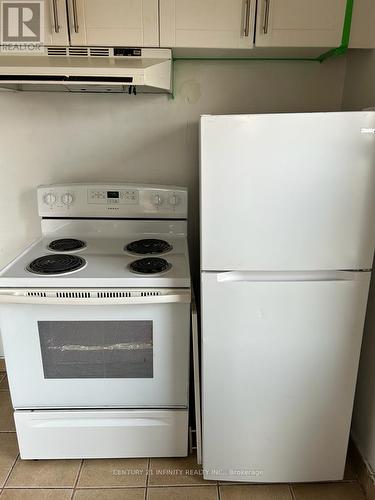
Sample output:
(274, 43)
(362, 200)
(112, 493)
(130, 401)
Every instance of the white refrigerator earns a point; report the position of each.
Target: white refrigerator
(287, 243)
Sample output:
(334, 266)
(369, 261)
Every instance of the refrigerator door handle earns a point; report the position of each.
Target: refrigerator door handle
(283, 276)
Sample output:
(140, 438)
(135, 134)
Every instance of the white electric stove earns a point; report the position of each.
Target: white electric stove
(95, 321)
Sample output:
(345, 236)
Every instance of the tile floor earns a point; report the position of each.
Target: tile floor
(141, 479)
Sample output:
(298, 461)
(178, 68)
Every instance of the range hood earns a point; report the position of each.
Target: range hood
(88, 69)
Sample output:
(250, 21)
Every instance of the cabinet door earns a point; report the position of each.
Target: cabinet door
(55, 23)
(300, 23)
(114, 22)
(207, 23)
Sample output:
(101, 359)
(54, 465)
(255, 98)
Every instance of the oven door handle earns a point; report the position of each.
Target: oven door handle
(34, 297)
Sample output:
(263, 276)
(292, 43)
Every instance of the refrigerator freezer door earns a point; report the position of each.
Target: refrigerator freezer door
(279, 361)
(288, 191)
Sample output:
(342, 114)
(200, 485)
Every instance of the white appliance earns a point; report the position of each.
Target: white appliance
(95, 320)
(287, 243)
(88, 69)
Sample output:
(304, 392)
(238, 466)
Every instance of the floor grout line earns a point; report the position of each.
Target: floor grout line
(148, 471)
(10, 472)
(363, 489)
(164, 486)
(134, 487)
(147, 478)
(113, 488)
(179, 485)
(110, 487)
(292, 494)
(38, 488)
(77, 479)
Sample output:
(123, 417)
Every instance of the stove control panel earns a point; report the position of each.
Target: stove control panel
(112, 200)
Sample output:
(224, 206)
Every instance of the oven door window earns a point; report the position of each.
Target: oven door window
(96, 349)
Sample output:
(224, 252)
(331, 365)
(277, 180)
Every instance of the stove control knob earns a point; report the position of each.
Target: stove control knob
(67, 198)
(157, 200)
(49, 199)
(173, 200)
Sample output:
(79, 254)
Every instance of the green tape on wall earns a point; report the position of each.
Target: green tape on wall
(345, 34)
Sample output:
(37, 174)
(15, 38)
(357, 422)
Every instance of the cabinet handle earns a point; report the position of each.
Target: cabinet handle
(75, 16)
(246, 29)
(56, 16)
(266, 16)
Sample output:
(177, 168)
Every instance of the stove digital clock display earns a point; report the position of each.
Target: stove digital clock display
(109, 197)
(113, 194)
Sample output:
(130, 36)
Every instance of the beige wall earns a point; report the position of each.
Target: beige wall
(359, 88)
(48, 138)
(359, 93)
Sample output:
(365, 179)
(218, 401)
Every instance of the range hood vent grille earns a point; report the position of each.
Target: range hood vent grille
(80, 51)
(99, 52)
(56, 51)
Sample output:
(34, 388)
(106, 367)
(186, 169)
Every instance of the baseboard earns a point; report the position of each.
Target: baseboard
(365, 476)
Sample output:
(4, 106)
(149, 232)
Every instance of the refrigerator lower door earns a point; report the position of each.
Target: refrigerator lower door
(280, 358)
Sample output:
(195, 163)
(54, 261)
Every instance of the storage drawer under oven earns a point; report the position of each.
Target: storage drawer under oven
(102, 434)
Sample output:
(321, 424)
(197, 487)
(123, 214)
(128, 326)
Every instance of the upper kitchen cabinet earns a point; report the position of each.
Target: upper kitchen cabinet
(56, 30)
(300, 23)
(362, 34)
(131, 23)
(225, 24)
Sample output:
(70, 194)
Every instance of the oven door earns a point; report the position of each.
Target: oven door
(75, 351)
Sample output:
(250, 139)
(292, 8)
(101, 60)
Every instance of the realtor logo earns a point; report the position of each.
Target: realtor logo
(22, 26)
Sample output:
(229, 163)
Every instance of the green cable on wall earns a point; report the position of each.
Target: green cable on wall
(338, 51)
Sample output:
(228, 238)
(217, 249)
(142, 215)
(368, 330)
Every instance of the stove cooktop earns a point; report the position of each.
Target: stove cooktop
(104, 259)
